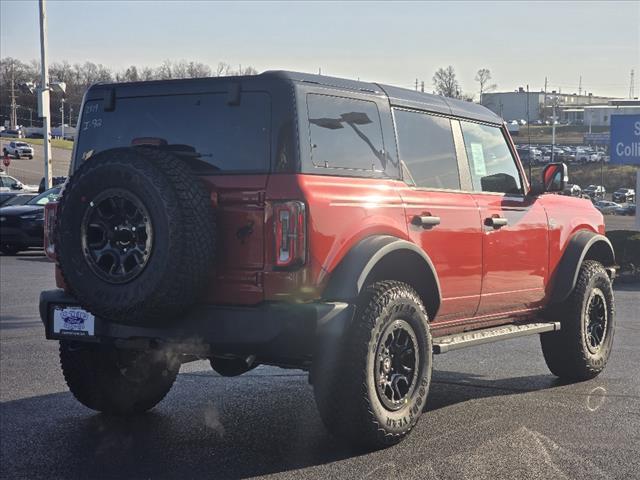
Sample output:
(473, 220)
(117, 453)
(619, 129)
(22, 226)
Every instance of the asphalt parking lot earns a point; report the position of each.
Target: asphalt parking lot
(29, 171)
(494, 412)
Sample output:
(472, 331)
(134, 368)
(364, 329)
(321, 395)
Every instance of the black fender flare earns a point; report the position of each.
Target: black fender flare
(583, 245)
(359, 264)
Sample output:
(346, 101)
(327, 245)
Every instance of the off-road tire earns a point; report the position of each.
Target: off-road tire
(117, 382)
(344, 384)
(183, 222)
(567, 352)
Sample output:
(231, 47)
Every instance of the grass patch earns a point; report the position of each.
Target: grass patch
(565, 134)
(55, 142)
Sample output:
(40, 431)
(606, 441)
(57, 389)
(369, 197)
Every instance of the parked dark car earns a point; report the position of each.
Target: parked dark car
(606, 207)
(21, 226)
(9, 198)
(595, 191)
(628, 209)
(624, 195)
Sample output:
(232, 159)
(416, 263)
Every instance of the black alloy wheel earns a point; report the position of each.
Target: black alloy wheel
(117, 236)
(595, 320)
(397, 361)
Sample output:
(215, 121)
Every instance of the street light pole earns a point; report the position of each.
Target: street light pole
(44, 96)
(553, 132)
(62, 111)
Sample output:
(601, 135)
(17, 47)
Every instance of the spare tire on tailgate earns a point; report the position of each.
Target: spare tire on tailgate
(135, 236)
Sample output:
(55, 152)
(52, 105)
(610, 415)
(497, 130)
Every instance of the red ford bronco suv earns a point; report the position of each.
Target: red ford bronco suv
(349, 229)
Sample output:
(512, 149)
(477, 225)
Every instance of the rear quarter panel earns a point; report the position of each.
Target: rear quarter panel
(341, 211)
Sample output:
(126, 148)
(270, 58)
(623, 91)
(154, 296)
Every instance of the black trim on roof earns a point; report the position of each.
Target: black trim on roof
(402, 97)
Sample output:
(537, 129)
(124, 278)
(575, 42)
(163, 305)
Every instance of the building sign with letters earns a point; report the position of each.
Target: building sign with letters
(625, 139)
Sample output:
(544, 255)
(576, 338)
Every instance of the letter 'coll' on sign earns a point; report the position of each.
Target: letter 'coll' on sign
(625, 139)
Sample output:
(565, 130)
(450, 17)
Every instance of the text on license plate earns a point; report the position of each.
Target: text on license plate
(73, 321)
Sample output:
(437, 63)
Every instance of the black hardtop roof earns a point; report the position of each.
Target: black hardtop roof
(400, 97)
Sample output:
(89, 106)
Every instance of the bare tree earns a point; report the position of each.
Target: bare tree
(483, 77)
(79, 77)
(147, 74)
(198, 70)
(445, 82)
(165, 70)
(222, 70)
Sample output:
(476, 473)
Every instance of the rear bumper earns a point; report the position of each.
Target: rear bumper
(276, 332)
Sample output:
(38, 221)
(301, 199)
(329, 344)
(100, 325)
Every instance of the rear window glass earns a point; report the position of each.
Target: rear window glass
(345, 133)
(230, 138)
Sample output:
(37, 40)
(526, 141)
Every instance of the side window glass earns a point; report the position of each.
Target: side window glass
(493, 168)
(426, 147)
(345, 133)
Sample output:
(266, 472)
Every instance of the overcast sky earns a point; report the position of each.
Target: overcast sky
(521, 42)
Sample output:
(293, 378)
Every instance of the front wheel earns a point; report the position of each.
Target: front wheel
(116, 381)
(372, 389)
(581, 349)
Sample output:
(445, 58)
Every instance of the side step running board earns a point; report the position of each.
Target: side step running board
(488, 335)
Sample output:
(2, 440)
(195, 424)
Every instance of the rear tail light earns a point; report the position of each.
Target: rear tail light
(290, 234)
(50, 210)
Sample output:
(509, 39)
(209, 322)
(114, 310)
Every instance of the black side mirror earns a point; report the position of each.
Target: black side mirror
(16, 186)
(554, 177)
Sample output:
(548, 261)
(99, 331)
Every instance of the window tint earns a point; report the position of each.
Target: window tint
(493, 168)
(426, 147)
(231, 138)
(345, 133)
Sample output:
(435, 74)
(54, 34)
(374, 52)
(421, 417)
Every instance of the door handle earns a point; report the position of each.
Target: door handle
(495, 222)
(425, 221)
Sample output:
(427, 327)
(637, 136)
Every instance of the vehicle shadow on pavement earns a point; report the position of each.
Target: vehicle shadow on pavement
(449, 388)
(33, 258)
(212, 427)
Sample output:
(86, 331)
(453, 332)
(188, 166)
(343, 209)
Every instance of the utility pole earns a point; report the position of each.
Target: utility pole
(545, 97)
(529, 134)
(44, 96)
(553, 130)
(14, 108)
(62, 112)
(416, 84)
(580, 87)
(422, 86)
(631, 86)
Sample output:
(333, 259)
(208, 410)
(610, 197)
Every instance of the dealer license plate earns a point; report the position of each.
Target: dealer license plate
(73, 322)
